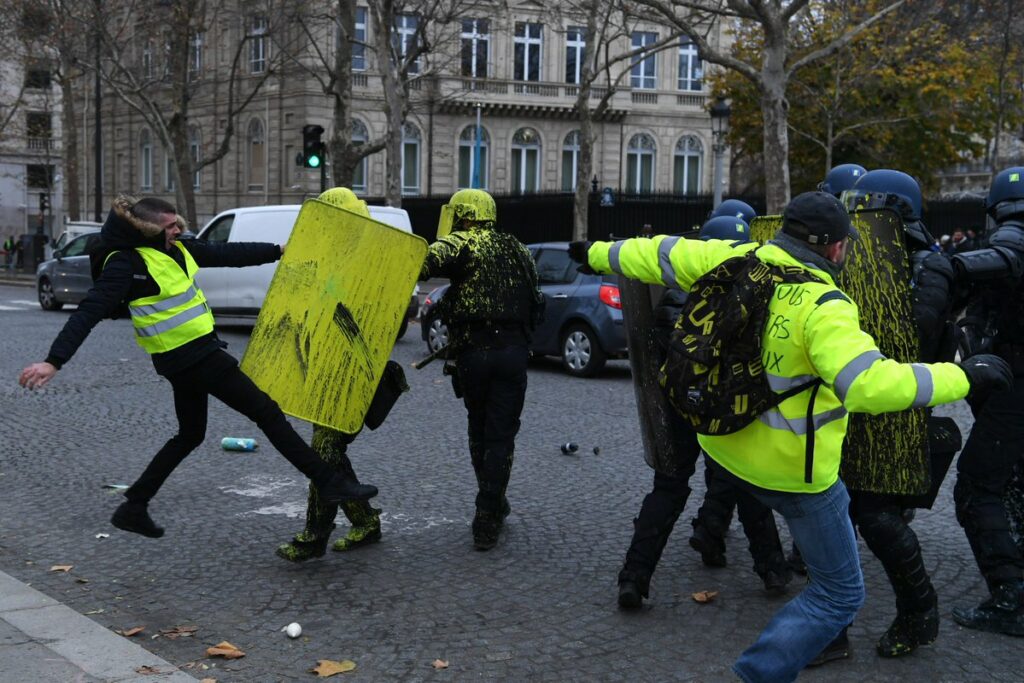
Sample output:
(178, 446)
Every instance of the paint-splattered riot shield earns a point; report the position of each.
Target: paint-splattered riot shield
(763, 228)
(444, 223)
(332, 315)
(885, 453)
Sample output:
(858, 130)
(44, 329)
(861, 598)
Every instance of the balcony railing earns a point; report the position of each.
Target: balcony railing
(42, 144)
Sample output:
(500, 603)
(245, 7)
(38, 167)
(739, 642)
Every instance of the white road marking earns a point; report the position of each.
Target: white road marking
(10, 308)
(24, 302)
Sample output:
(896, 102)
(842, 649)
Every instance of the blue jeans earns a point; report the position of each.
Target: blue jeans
(820, 525)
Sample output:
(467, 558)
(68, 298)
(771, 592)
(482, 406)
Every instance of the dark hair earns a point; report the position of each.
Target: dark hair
(149, 208)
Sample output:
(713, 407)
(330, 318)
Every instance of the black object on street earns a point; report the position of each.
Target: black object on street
(569, 447)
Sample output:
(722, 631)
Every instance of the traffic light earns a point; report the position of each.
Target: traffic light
(312, 146)
(44, 202)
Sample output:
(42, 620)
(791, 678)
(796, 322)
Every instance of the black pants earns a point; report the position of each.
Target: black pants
(660, 509)
(986, 465)
(218, 375)
(758, 521)
(493, 383)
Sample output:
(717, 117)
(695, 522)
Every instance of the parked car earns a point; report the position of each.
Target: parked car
(239, 292)
(583, 316)
(66, 278)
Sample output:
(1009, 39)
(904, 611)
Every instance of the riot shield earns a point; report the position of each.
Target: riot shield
(331, 315)
(885, 453)
(444, 223)
(763, 228)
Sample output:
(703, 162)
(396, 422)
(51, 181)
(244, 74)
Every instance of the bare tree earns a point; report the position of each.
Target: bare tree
(774, 69)
(163, 96)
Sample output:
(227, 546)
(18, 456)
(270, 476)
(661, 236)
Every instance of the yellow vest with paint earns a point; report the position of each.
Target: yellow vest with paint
(179, 313)
(812, 331)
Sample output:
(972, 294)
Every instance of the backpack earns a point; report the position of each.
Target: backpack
(713, 373)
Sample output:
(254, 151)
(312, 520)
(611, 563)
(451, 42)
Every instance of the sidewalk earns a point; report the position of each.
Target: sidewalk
(17, 278)
(42, 640)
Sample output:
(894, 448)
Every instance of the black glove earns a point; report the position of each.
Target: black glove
(578, 253)
(986, 373)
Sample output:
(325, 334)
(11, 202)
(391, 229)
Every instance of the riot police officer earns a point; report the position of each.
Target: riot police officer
(841, 178)
(879, 493)
(490, 309)
(733, 208)
(995, 323)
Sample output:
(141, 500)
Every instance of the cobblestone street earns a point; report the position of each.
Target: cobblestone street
(541, 606)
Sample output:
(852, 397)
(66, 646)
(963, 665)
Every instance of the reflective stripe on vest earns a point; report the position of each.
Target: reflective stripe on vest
(179, 313)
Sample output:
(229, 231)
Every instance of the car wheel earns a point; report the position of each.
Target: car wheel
(581, 355)
(47, 297)
(403, 328)
(437, 335)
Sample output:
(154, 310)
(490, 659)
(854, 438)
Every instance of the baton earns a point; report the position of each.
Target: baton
(434, 355)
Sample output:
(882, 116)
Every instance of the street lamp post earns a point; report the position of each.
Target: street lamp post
(720, 112)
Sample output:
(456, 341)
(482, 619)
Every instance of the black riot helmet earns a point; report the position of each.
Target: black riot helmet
(841, 178)
(889, 189)
(1006, 194)
(735, 208)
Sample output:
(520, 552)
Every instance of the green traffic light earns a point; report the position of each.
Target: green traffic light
(314, 161)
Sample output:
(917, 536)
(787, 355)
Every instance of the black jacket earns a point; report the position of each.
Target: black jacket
(123, 277)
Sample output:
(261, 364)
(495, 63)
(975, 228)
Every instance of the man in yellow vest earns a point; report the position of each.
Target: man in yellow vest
(140, 261)
(812, 331)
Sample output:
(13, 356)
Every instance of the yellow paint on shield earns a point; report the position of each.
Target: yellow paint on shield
(763, 228)
(444, 224)
(332, 315)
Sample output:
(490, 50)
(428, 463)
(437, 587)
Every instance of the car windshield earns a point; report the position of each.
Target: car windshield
(78, 246)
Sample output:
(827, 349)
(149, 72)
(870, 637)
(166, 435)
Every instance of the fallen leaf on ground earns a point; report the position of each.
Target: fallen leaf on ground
(440, 664)
(129, 632)
(61, 568)
(179, 632)
(328, 667)
(208, 680)
(224, 649)
(705, 596)
(148, 670)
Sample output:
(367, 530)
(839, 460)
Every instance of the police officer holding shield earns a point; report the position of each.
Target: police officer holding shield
(489, 309)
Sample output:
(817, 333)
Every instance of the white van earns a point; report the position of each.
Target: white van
(239, 292)
(73, 229)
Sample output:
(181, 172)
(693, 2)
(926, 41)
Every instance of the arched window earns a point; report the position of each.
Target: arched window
(570, 160)
(526, 160)
(145, 160)
(467, 157)
(640, 164)
(359, 136)
(410, 159)
(687, 167)
(257, 155)
(194, 149)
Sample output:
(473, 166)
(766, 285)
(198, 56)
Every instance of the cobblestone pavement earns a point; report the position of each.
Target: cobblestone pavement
(541, 606)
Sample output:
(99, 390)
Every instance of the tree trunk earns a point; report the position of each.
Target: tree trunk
(340, 147)
(776, 133)
(584, 169)
(69, 131)
(395, 98)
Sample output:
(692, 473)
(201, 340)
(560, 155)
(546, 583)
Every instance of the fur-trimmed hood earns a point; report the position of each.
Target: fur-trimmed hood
(124, 230)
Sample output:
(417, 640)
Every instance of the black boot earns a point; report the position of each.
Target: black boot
(839, 648)
(633, 587)
(710, 546)
(908, 631)
(340, 488)
(486, 529)
(134, 517)
(1002, 613)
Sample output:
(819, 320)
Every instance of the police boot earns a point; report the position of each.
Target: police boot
(708, 543)
(134, 517)
(1002, 613)
(633, 587)
(838, 649)
(365, 526)
(766, 550)
(305, 546)
(340, 488)
(486, 529)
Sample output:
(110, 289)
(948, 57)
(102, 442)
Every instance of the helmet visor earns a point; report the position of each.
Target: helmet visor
(863, 200)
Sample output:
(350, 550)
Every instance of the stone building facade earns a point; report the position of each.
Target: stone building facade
(515, 64)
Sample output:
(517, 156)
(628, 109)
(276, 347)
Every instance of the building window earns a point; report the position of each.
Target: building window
(359, 137)
(575, 42)
(527, 51)
(257, 155)
(38, 78)
(570, 160)
(640, 164)
(643, 73)
(195, 56)
(467, 163)
(258, 44)
(147, 60)
(194, 148)
(691, 67)
(169, 172)
(39, 129)
(687, 171)
(410, 159)
(475, 47)
(39, 176)
(526, 160)
(145, 160)
(359, 44)
(404, 38)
